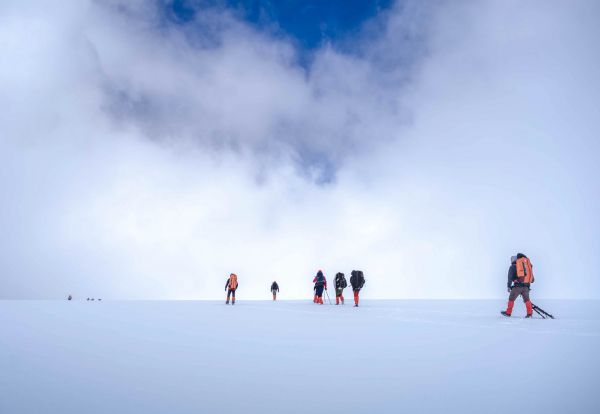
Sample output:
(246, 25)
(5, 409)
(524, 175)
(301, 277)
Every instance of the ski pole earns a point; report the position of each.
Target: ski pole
(328, 298)
(538, 309)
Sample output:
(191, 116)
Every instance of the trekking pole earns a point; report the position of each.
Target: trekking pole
(328, 298)
(538, 310)
(539, 313)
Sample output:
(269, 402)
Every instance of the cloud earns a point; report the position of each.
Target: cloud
(144, 158)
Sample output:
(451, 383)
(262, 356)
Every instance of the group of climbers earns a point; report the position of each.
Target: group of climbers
(357, 281)
(520, 278)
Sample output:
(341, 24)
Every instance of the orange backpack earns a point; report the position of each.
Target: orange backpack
(233, 284)
(525, 270)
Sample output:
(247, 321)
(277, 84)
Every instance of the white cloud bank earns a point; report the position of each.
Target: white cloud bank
(143, 159)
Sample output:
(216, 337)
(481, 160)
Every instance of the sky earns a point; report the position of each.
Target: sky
(150, 148)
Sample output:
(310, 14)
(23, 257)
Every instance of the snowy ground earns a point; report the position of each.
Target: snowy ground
(386, 356)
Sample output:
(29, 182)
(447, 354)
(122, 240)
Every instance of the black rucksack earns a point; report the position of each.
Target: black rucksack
(320, 280)
(340, 281)
(357, 280)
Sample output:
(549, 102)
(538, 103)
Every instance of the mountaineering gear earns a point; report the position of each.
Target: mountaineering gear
(274, 290)
(340, 285)
(520, 277)
(524, 270)
(509, 308)
(541, 312)
(230, 286)
(320, 285)
(320, 280)
(520, 272)
(357, 280)
(328, 298)
(232, 282)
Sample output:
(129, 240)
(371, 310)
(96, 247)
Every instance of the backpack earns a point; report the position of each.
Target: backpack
(340, 281)
(524, 270)
(233, 284)
(358, 278)
(320, 280)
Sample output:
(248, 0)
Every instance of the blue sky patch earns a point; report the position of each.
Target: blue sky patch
(309, 22)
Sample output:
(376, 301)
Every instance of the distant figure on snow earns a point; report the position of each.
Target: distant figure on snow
(357, 280)
(320, 285)
(274, 290)
(520, 278)
(230, 286)
(340, 285)
(69, 297)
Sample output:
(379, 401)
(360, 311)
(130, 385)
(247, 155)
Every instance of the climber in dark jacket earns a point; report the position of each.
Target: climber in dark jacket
(520, 278)
(274, 290)
(357, 280)
(320, 285)
(340, 285)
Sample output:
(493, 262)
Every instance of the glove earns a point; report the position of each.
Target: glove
(508, 289)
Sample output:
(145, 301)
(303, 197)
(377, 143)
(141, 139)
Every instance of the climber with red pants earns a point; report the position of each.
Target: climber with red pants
(357, 281)
(340, 285)
(320, 285)
(520, 278)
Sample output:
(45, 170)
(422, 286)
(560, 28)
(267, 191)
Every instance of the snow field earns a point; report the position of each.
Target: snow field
(297, 357)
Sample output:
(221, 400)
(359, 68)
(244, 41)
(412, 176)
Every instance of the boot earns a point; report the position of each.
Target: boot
(509, 308)
(233, 301)
(342, 299)
(315, 299)
(227, 302)
(529, 307)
